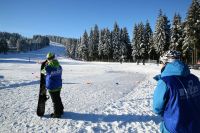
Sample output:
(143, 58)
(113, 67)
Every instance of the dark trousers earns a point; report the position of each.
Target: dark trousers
(57, 103)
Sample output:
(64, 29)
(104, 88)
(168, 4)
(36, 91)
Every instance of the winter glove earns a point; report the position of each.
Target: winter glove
(157, 77)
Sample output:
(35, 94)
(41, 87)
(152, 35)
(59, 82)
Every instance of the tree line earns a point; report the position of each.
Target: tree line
(16, 42)
(112, 45)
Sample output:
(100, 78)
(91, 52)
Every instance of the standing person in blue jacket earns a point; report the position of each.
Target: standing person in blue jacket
(53, 72)
(177, 96)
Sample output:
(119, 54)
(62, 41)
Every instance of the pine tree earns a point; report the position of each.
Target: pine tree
(176, 34)
(21, 44)
(71, 47)
(95, 41)
(135, 44)
(192, 31)
(123, 50)
(91, 45)
(116, 42)
(138, 42)
(141, 37)
(142, 45)
(186, 48)
(84, 43)
(148, 39)
(101, 44)
(79, 49)
(107, 47)
(125, 44)
(162, 34)
(3, 46)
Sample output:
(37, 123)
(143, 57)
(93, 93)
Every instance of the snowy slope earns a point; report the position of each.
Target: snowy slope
(98, 97)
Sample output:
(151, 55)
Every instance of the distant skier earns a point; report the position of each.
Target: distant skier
(143, 58)
(137, 57)
(177, 96)
(53, 72)
(121, 59)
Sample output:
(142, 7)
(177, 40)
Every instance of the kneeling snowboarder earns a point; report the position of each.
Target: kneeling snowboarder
(53, 72)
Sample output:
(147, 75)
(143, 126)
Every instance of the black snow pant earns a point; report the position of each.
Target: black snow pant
(57, 102)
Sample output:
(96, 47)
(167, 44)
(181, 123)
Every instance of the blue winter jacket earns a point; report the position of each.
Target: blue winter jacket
(53, 75)
(177, 99)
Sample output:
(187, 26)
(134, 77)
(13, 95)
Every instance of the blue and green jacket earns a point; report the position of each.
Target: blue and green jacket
(177, 99)
(53, 72)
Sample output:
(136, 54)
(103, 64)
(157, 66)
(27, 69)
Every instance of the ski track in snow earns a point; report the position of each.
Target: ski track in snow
(97, 96)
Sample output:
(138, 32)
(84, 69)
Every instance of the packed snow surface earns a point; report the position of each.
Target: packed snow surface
(97, 96)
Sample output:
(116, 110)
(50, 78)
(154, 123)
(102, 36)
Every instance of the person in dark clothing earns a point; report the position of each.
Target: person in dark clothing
(177, 96)
(57, 103)
(121, 59)
(53, 72)
(137, 57)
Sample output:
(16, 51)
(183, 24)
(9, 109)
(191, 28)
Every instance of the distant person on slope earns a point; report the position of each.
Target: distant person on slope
(53, 72)
(177, 96)
(121, 59)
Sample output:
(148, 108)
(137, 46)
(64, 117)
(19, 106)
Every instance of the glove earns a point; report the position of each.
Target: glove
(157, 77)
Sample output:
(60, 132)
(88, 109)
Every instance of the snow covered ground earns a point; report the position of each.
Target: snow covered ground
(97, 96)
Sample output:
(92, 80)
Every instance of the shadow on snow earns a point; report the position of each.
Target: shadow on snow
(18, 61)
(109, 118)
(20, 84)
(70, 83)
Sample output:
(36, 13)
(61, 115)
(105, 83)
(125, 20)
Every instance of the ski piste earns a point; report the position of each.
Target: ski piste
(42, 92)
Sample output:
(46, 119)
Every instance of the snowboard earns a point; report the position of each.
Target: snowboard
(42, 93)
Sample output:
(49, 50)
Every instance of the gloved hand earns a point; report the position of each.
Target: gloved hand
(157, 77)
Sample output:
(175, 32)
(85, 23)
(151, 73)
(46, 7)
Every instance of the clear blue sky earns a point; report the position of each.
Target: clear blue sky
(70, 18)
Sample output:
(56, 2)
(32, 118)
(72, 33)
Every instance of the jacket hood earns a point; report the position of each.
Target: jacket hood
(176, 68)
(53, 63)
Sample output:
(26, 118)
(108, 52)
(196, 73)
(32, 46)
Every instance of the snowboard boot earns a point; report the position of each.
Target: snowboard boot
(55, 116)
